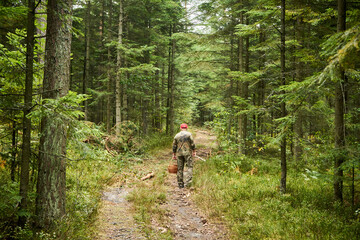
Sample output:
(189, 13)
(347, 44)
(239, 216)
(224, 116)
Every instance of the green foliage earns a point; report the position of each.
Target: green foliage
(243, 192)
(9, 199)
(65, 108)
(157, 141)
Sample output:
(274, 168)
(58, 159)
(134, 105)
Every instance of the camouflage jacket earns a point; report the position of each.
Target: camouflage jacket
(183, 143)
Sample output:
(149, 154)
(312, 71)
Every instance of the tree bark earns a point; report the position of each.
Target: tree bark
(283, 107)
(51, 184)
(118, 70)
(26, 147)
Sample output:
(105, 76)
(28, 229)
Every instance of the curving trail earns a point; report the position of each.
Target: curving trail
(181, 216)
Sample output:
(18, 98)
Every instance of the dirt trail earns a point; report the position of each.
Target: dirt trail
(183, 218)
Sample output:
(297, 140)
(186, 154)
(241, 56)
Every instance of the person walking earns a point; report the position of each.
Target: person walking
(183, 151)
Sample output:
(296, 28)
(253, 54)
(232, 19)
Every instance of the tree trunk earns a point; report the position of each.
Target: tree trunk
(157, 101)
(86, 75)
(99, 111)
(26, 148)
(245, 91)
(298, 128)
(109, 77)
(51, 185)
(13, 152)
(339, 112)
(283, 107)
(171, 87)
(118, 71)
(240, 87)
(261, 85)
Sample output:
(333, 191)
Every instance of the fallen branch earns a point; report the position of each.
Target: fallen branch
(150, 175)
(107, 148)
(200, 158)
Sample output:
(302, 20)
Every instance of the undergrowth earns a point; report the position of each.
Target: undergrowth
(90, 167)
(244, 193)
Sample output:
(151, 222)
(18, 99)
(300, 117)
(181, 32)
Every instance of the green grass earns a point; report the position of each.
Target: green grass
(253, 208)
(146, 199)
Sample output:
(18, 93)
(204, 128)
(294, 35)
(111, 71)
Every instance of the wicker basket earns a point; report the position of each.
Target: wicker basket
(172, 168)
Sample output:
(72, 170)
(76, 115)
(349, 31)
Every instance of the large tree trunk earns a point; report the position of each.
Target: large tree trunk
(283, 107)
(339, 112)
(118, 71)
(26, 148)
(51, 189)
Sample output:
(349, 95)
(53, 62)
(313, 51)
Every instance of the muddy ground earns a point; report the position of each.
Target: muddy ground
(184, 220)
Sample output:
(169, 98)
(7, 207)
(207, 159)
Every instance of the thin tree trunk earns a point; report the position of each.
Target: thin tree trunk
(283, 107)
(339, 112)
(100, 113)
(109, 77)
(51, 184)
(298, 129)
(245, 91)
(13, 152)
(118, 71)
(157, 101)
(86, 76)
(261, 85)
(240, 86)
(26, 148)
(171, 87)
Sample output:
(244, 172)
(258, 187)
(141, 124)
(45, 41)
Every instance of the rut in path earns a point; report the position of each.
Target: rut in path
(182, 217)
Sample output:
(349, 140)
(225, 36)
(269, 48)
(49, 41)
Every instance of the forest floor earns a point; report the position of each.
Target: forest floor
(182, 219)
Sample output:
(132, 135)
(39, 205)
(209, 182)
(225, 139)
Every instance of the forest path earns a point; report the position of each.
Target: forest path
(181, 218)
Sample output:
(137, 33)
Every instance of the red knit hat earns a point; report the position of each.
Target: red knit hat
(184, 126)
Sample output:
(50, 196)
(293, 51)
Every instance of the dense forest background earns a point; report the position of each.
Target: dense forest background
(97, 81)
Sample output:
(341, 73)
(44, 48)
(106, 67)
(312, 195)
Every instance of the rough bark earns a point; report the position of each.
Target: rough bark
(26, 147)
(50, 201)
